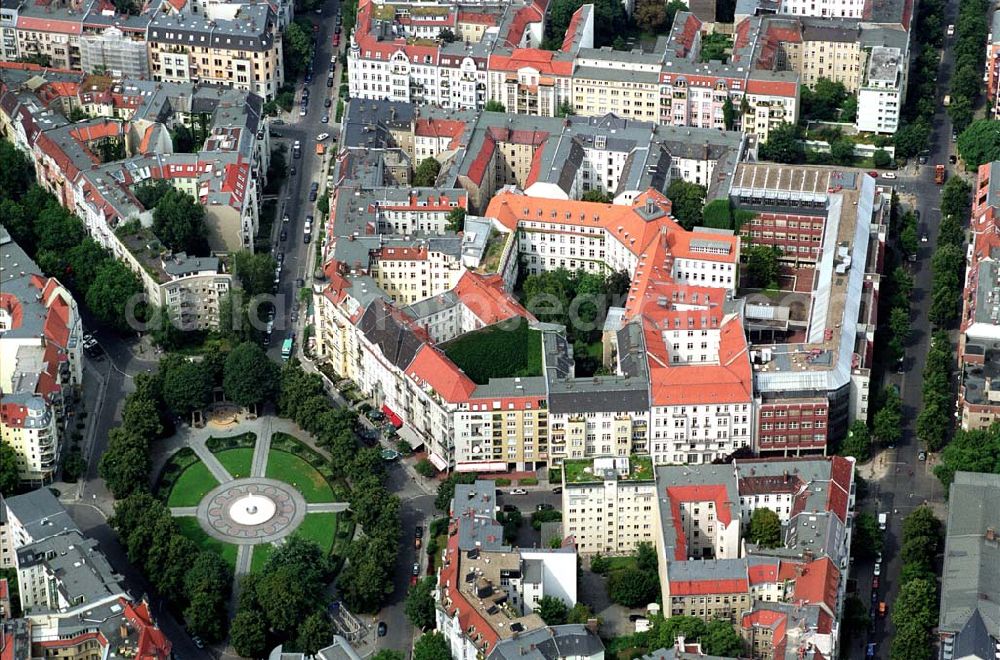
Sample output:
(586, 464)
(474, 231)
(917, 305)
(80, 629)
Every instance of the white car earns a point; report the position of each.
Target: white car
(951, 30)
(322, 136)
(888, 175)
(923, 238)
(878, 569)
(518, 491)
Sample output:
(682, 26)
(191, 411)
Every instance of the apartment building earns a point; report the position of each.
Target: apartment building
(882, 91)
(608, 504)
(503, 64)
(708, 570)
(967, 624)
(226, 175)
(8, 30)
(237, 46)
(811, 372)
(73, 603)
(487, 591)
(978, 398)
(41, 368)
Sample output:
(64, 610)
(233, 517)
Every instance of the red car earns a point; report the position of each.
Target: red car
(336, 40)
(874, 583)
(873, 174)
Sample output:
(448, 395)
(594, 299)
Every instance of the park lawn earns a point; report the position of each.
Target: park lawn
(320, 528)
(190, 528)
(193, 484)
(236, 461)
(297, 473)
(261, 553)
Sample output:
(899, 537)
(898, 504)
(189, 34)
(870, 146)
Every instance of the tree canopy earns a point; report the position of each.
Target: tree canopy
(179, 223)
(431, 646)
(765, 528)
(609, 14)
(249, 378)
(783, 145)
(762, 266)
(426, 172)
(419, 607)
(687, 201)
(553, 611)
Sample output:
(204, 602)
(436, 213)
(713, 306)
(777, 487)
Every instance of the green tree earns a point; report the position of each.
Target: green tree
(151, 191)
(447, 35)
(783, 145)
(446, 490)
(955, 198)
(823, 101)
(912, 138)
(388, 654)
(431, 646)
(970, 451)
(980, 142)
(125, 464)
(716, 47)
(645, 558)
(687, 201)
(868, 539)
(10, 475)
(664, 632)
(552, 610)
(911, 642)
(579, 613)
(881, 158)
(297, 46)
(762, 265)
(255, 272)
(17, 174)
(187, 386)
(426, 173)
(858, 442)
(596, 195)
(74, 465)
(179, 222)
(249, 378)
(842, 151)
(916, 604)
(494, 106)
(315, 633)
(887, 423)
(419, 607)
(565, 109)
(248, 633)
(114, 291)
(633, 588)
(728, 114)
(765, 528)
(182, 139)
(721, 639)
(206, 616)
(456, 219)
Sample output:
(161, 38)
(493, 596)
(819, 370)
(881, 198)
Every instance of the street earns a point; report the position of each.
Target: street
(907, 481)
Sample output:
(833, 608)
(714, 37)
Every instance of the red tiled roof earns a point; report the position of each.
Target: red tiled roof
(432, 367)
(574, 24)
(543, 61)
(485, 297)
(469, 619)
(817, 584)
(708, 587)
(772, 87)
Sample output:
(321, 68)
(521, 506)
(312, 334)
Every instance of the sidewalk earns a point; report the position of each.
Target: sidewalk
(91, 402)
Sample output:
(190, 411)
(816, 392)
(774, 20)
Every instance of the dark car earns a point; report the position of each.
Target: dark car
(952, 159)
(382, 629)
(329, 82)
(419, 531)
(284, 235)
(337, 30)
(544, 506)
(557, 490)
(281, 257)
(294, 170)
(327, 103)
(299, 282)
(312, 195)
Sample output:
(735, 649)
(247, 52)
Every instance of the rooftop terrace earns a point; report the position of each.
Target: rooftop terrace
(635, 468)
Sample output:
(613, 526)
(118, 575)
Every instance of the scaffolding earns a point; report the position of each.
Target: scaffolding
(112, 53)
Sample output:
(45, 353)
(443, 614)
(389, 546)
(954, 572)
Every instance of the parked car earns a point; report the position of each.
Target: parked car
(299, 282)
(875, 582)
(878, 570)
(312, 195)
(508, 508)
(873, 174)
(320, 138)
(280, 258)
(922, 455)
(543, 506)
(303, 111)
(284, 235)
(951, 30)
(382, 629)
(557, 490)
(953, 159)
(325, 119)
(329, 81)
(327, 103)
(888, 175)
(418, 531)
(517, 491)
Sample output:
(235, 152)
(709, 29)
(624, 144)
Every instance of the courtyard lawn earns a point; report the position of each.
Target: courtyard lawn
(261, 553)
(190, 528)
(475, 352)
(193, 484)
(320, 528)
(298, 473)
(236, 461)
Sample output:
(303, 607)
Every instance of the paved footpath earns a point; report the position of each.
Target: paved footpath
(258, 467)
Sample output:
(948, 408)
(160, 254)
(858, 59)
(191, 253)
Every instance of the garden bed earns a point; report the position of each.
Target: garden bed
(216, 445)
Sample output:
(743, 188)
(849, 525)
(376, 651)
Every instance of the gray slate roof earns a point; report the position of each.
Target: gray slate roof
(550, 643)
(39, 512)
(970, 586)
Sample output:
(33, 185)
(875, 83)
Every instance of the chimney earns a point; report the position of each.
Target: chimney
(991, 534)
(591, 625)
(123, 629)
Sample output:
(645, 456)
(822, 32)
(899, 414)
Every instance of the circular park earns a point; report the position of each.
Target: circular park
(243, 493)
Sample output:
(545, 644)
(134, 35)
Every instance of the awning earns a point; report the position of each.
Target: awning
(438, 462)
(392, 417)
(411, 437)
(481, 467)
